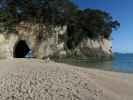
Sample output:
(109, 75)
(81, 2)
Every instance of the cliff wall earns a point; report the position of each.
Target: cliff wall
(44, 42)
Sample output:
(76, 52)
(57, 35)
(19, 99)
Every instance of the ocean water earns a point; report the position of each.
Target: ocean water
(120, 63)
(123, 63)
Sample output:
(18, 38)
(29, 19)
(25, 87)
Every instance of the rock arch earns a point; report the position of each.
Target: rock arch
(21, 49)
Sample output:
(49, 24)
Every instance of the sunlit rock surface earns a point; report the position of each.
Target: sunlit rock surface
(95, 48)
(41, 40)
(44, 42)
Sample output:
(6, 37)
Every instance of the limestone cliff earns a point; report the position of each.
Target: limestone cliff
(48, 41)
(95, 48)
(41, 40)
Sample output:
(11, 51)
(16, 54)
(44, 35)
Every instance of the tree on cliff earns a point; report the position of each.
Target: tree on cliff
(90, 23)
(42, 10)
(87, 23)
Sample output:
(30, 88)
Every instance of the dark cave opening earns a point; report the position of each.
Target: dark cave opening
(21, 49)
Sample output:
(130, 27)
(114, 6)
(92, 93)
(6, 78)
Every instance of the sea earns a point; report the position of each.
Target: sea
(123, 62)
(120, 63)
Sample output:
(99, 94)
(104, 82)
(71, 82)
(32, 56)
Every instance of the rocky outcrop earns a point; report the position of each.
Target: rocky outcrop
(41, 40)
(100, 48)
(48, 41)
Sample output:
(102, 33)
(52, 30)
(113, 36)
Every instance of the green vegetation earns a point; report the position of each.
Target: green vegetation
(81, 24)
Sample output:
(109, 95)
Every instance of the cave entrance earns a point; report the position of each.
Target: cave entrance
(21, 49)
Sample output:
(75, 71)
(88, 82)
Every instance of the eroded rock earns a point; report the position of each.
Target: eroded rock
(41, 40)
(48, 41)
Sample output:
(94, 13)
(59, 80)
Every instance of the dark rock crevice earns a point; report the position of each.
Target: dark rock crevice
(21, 49)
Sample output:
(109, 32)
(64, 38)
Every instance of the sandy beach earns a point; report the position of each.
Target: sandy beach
(32, 79)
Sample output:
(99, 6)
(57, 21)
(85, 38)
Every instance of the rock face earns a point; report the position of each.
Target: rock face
(43, 42)
(39, 39)
(95, 48)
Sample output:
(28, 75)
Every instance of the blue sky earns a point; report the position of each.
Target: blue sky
(121, 10)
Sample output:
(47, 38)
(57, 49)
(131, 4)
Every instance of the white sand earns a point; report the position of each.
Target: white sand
(22, 79)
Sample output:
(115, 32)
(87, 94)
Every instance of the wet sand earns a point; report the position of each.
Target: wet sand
(32, 79)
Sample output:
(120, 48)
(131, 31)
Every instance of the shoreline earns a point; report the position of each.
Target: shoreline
(48, 80)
